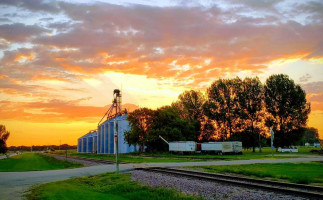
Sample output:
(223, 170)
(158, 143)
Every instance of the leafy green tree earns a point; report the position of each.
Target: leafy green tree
(207, 130)
(311, 135)
(168, 124)
(251, 111)
(287, 105)
(190, 107)
(147, 125)
(222, 106)
(192, 102)
(140, 121)
(4, 135)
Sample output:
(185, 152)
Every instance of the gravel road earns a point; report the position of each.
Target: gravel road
(206, 189)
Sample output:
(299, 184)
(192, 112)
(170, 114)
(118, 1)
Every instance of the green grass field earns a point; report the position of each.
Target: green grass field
(138, 159)
(104, 186)
(34, 162)
(305, 173)
(167, 157)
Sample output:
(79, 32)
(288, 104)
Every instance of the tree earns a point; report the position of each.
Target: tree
(311, 135)
(287, 105)
(147, 125)
(4, 135)
(190, 107)
(192, 102)
(140, 120)
(168, 124)
(251, 110)
(222, 105)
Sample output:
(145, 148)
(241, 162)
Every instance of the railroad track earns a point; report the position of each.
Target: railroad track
(102, 161)
(312, 192)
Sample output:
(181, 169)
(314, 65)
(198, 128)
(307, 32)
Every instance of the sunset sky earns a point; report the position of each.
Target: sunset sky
(61, 60)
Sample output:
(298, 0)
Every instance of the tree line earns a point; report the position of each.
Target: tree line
(231, 109)
(4, 135)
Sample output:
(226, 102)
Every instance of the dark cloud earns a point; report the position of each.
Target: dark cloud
(34, 5)
(19, 32)
(313, 87)
(140, 39)
(47, 19)
(305, 78)
(2, 19)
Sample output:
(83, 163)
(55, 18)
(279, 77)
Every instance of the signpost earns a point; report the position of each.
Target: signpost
(272, 140)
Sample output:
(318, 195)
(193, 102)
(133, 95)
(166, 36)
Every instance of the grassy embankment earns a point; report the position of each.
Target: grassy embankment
(104, 186)
(305, 173)
(34, 162)
(167, 157)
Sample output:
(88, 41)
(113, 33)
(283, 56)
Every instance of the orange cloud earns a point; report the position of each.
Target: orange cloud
(53, 111)
(154, 50)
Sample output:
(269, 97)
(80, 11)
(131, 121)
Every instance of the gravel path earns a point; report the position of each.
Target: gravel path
(206, 189)
(75, 160)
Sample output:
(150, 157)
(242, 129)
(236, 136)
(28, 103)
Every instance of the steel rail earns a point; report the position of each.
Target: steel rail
(313, 192)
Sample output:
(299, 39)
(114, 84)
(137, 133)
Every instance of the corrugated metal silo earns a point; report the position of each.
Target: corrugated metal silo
(79, 145)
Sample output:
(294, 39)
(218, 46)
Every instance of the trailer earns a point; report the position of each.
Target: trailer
(211, 147)
(237, 147)
(182, 146)
(233, 147)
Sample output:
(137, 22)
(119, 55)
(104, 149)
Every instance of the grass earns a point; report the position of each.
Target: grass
(131, 158)
(167, 157)
(304, 173)
(104, 186)
(34, 162)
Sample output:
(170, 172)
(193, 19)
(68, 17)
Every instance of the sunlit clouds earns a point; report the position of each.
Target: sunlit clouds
(61, 60)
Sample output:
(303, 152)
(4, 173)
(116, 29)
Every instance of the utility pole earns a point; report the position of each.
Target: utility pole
(272, 140)
(59, 148)
(117, 145)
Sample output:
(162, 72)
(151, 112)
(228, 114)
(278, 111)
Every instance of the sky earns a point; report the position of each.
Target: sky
(61, 60)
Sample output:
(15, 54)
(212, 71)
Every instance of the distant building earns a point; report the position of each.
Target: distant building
(316, 144)
(88, 143)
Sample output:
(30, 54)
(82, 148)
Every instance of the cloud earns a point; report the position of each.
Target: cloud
(314, 95)
(187, 45)
(34, 5)
(54, 111)
(305, 78)
(313, 87)
(19, 32)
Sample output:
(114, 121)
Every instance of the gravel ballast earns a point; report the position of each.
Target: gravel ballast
(206, 189)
